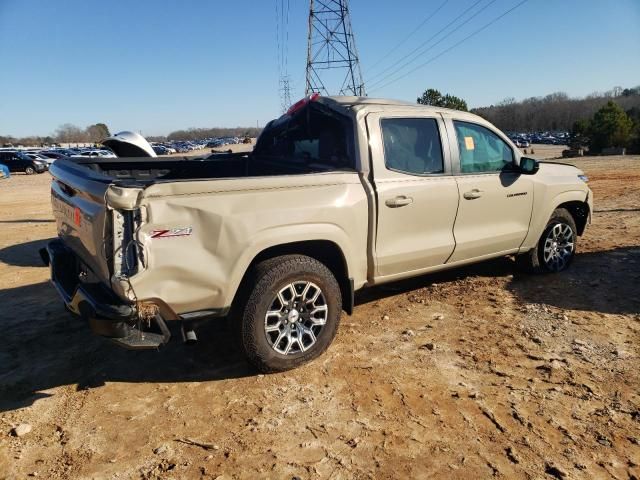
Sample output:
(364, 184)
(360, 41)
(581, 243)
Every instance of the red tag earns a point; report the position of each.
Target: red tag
(77, 218)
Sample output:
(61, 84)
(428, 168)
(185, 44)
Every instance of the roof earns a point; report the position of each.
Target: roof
(361, 103)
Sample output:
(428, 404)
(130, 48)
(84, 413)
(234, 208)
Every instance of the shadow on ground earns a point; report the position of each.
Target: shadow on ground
(24, 254)
(45, 347)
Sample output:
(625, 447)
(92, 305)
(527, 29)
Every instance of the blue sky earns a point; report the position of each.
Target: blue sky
(160, 65)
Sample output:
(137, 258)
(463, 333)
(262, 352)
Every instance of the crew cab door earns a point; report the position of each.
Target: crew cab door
(417, 197)
(496, 200)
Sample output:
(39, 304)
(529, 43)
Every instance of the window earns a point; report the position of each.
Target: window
(481, 150)
(412, 145)
(313, 137)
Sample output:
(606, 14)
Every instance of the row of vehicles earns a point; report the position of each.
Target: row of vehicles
(39, 160)
(524, 140)
(168, 148)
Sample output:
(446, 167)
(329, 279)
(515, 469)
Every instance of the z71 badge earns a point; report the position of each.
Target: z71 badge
(172, 232)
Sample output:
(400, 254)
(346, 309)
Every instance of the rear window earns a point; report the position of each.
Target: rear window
(313, 137)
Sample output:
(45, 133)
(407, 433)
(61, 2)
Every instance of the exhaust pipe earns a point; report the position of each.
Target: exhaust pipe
(189, 336)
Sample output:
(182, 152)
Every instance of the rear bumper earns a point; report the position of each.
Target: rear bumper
(107, 314)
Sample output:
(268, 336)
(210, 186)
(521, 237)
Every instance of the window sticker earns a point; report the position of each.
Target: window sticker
(468, 143)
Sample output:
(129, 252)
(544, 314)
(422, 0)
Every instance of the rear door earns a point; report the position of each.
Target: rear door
(417, 196)
(495, 199)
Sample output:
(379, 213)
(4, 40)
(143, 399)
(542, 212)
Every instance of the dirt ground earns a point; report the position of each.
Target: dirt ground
(474, 373)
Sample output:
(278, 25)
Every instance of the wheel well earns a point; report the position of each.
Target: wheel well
(580, 213)
(324, 251)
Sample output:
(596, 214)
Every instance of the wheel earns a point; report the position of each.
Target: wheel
(29, 170)
(291, 314)
(555, 249)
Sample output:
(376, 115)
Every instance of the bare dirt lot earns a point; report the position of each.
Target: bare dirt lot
(474, 373)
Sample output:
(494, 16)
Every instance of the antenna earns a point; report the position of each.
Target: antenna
(332, 59)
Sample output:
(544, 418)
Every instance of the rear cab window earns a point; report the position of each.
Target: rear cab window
(412, 145)
(481, 150)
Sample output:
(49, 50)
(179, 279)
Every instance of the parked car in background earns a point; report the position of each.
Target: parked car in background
(38, 156)
(160, 150)
(19, 162)
(522, 143)
(95, 153)
(52, 155)
(4, 172)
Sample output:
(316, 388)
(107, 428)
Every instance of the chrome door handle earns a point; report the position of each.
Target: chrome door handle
(475, 193)
(399, 201)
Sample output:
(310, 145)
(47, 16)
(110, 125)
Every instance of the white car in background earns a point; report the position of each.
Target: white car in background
(96, 153)
(42, 158)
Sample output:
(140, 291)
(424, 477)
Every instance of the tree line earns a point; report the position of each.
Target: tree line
(556, 111)
(67, 133)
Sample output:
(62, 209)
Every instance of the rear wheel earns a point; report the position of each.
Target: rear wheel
(555, 249)
(29, 170)
(292, 313)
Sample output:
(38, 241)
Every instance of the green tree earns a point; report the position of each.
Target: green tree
(433, 97)
(634, 115)
(610, 127)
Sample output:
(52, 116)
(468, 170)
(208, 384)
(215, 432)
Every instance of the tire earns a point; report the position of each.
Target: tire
(556, 247)
(29, 170)
(293, 333)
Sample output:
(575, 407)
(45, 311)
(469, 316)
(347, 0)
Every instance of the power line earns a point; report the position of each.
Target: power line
(401, 42)
(426, 42)
(431, 47)
(484, 27)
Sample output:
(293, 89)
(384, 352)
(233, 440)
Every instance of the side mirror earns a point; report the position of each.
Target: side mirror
(529, 166)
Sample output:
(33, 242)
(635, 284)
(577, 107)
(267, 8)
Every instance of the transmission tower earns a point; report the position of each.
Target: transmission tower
(332, 59)
(285, 92)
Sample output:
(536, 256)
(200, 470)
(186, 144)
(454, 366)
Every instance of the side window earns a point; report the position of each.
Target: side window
(412, 145)
(480, 149)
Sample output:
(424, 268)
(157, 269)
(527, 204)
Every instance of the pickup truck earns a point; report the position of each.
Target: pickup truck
(338, 194)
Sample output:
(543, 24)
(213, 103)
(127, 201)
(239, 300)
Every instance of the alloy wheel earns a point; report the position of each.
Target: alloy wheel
(558, 247)
(296, 318)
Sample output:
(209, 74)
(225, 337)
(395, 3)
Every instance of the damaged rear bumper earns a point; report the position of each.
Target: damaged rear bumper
(107, 315)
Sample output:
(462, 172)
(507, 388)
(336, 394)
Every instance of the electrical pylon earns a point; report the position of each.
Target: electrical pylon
(332, 60)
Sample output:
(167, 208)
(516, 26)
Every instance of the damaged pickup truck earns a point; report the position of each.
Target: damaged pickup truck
(339, 193)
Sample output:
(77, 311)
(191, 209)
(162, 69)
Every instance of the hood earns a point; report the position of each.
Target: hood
(559, 169)
(129, 144)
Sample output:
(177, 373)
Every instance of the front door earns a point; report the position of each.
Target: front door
(417, 196)
(495, 199)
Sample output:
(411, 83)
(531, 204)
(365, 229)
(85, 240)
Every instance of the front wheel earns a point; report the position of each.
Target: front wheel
(555, 249)
(292, 313)
(29, 170)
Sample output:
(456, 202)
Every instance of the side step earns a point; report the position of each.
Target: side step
(139, 340)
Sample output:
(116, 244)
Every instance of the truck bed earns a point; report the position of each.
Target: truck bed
(146, 171)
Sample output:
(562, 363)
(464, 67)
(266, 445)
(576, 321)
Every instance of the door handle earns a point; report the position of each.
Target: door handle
(470, 195)
(399, 201)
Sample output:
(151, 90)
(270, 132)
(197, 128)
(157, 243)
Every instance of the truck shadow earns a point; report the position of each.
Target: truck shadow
(24, 254)
(605, 282)
(45, 347)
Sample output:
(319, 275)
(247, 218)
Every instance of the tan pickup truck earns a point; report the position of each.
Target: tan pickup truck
(340, 193)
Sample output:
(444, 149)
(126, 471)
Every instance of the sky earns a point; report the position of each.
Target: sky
(159, 65)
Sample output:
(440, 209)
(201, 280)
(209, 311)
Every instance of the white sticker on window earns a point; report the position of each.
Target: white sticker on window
(468, 143)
